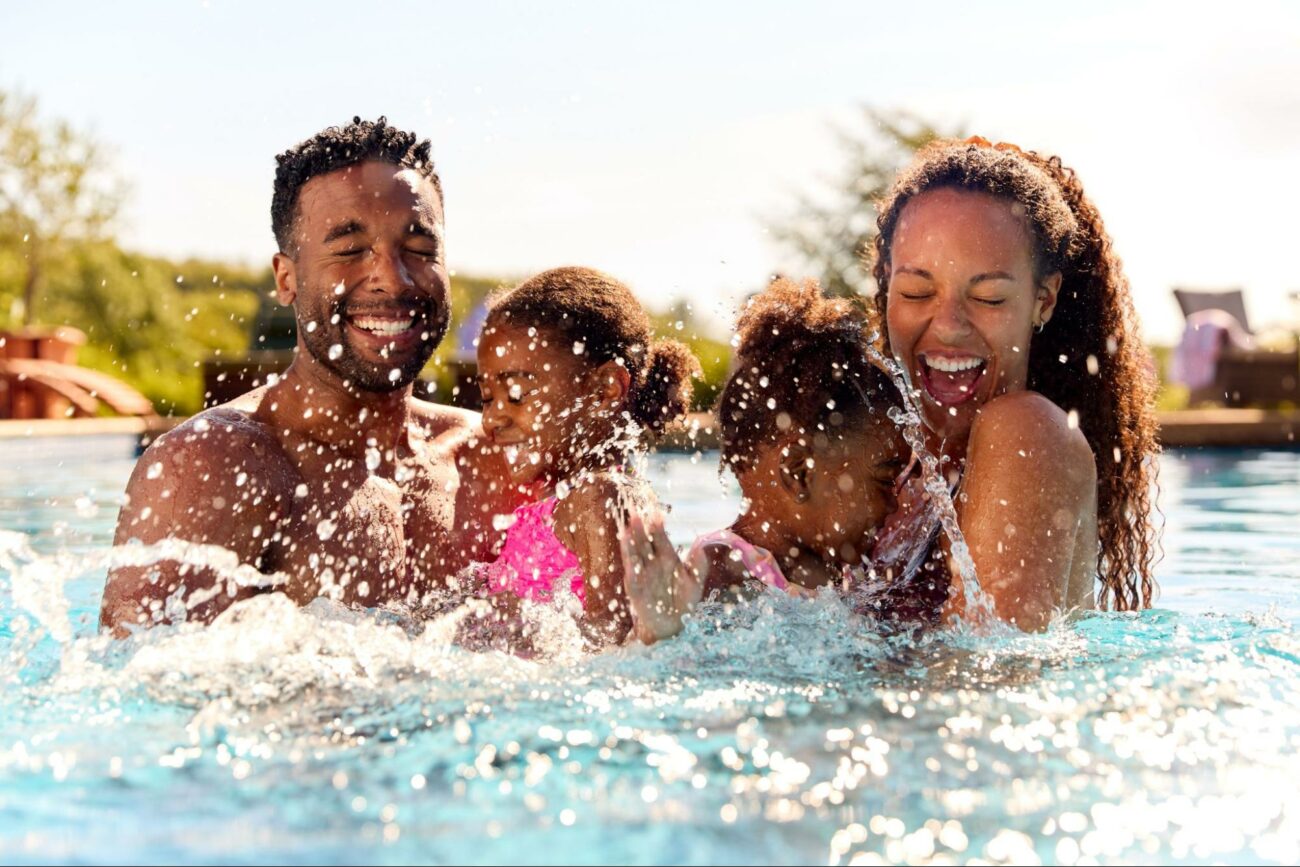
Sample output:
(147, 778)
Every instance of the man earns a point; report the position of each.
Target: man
(334, 480)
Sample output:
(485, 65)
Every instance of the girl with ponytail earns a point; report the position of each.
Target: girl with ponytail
(574, 386)
(1000, 296)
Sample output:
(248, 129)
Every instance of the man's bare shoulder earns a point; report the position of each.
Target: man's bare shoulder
(235, 425)
(216, 446)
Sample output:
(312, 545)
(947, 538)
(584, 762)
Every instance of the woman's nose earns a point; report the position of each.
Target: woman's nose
(950, 320)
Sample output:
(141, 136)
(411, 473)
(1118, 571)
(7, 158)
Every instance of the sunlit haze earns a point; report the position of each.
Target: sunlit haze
(653, 140)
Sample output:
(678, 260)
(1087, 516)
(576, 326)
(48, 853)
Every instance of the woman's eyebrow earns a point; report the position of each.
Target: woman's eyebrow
(991, 275)
(919, 272)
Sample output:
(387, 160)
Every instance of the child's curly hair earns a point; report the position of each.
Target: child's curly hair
(585, 306)
(802, 363)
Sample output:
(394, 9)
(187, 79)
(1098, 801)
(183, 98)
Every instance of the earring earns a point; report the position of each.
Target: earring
(1039, 327)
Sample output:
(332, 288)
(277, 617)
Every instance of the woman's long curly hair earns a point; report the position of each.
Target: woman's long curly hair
(1089, 359)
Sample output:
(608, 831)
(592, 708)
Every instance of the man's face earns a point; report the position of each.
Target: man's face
(368, 280)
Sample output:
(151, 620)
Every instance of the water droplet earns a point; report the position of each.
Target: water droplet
(372, 459)
(579, 347)
(311, 326)
(326, 529)
(394, 375)
(335, 352)
(155, 470)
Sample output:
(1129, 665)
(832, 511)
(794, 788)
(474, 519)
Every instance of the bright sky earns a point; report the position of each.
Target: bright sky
(651, 139)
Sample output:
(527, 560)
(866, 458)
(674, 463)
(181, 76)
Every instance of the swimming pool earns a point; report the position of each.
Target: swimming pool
(790, 733)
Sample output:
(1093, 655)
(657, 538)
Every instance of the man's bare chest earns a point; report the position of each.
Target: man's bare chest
(365, 537)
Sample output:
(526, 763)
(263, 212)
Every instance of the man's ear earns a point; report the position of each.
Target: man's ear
(1049, 288)
(613, 382)
(796, 466)
(286, 278)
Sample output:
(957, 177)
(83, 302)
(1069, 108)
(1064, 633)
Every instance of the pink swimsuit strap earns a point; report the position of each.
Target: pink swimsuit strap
(533, 557)
(758, 562)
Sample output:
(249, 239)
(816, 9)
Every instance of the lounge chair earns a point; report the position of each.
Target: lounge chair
(1243, 376)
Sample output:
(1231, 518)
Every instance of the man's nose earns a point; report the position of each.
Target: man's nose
(389, 272)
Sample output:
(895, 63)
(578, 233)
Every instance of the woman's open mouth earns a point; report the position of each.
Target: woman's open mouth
(951, 380)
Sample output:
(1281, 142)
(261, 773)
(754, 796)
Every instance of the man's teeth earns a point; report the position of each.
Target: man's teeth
(383, 326)
(954, 365)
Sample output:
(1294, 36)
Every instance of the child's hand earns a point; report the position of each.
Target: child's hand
(660, 587)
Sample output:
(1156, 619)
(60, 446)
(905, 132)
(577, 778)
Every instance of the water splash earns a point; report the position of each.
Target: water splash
(977, 611)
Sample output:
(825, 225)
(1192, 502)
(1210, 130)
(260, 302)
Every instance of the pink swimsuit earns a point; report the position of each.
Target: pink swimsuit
(758, 562)
(533, 558)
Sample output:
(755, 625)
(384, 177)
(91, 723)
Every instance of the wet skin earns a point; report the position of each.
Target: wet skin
(964, 299)
(335, 480)
(551, 413)
(816, 500)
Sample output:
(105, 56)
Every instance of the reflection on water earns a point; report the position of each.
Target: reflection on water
(782, 730)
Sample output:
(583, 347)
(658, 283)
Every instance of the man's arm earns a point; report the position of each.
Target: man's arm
(217, 480)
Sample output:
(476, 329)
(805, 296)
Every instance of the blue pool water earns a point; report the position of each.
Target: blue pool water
(787, 731)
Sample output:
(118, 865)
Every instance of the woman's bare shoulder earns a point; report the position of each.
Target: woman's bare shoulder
(1033, 445)
(1026, 420)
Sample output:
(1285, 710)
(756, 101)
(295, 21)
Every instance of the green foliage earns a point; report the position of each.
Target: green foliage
(680, 323)
(141, 324)
(56, 191)
(832, 233)
(148, 321)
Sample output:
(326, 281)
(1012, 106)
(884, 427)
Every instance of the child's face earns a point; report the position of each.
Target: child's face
(851, 487)
(538, 401)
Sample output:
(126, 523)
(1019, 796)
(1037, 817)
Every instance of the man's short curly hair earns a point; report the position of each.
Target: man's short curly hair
(335, 148)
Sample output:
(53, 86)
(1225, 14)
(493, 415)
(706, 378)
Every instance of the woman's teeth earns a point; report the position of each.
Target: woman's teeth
(954, 365)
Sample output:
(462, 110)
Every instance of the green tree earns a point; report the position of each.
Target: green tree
(56, 189)
(681, 323)
(833, 233)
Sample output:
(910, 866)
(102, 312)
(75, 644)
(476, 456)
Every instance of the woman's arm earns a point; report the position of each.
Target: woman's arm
(1028, 493)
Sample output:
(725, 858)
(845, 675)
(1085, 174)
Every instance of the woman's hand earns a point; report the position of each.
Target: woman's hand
(660, 587)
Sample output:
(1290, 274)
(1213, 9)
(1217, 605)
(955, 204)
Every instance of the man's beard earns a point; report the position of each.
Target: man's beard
(330, 345)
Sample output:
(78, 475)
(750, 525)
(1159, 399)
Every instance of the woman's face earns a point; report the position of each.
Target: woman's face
(963, 303)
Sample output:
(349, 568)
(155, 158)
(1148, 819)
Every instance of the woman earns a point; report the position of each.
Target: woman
(1001, 298)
